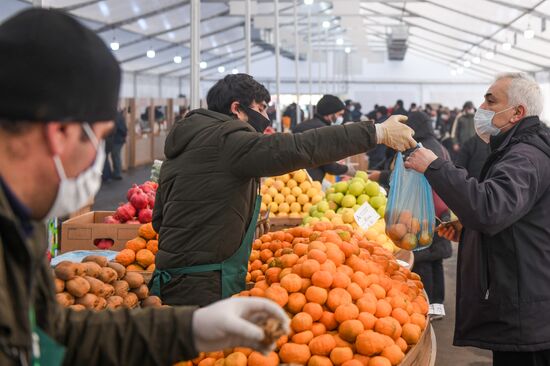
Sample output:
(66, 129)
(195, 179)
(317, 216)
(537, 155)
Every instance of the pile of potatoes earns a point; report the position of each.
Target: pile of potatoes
(98, 284)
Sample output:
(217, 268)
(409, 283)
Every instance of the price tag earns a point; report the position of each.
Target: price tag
(366, 216)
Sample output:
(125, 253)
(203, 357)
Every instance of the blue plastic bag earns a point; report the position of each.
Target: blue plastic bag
(410, 213)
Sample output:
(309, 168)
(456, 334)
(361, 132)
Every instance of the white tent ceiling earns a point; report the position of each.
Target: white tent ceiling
(467, 35)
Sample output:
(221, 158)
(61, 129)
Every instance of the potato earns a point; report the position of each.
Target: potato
(92, 269)
(131, 300)
(108, 289)
(134, 279)
(108, 275)
(65, 299)
(77, 287)
(96, 286)
(100, 260)
(142, 291)
(80, 269)
(59, 285)
(66, 270)
(90, 301)
(121, 288)
(101, 304)
(119, 268)
(151, 302)
(77, 307)
(114, 302)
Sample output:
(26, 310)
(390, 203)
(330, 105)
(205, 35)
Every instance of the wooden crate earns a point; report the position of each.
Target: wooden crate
(424, 352)
(281, 223)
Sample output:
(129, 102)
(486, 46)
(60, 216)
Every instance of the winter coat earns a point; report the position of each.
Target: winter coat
(472, 156)
(318, 173)
(464, 129)
(503, 275)
(111, 338)
(209, 182)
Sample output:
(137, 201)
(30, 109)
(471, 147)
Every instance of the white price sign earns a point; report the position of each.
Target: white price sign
(366, 216)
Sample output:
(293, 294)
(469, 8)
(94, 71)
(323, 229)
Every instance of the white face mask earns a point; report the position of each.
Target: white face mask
(74, 193)
(483, 124)
(339, 120)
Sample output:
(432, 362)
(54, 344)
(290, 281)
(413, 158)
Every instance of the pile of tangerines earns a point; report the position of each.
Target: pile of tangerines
(350, 302)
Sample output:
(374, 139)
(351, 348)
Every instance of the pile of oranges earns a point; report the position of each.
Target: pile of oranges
(349, 301)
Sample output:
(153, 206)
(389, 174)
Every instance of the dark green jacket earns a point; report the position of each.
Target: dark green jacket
(208, 184)
(120, 337)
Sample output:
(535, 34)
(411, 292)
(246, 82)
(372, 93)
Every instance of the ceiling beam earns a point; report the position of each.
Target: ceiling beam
(211, 67)
(80, 5)
(469, 15)
(519, 7)
(150, 14)
(433, 58)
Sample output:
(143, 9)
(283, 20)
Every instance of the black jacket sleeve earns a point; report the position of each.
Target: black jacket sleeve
(249, 154)
(494, 204)
(335, 168)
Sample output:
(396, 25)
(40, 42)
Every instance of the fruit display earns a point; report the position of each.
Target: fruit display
(290, 195)
(139, 208)
(139, 253)
(409, 232)
(97, 284)
(349, 301)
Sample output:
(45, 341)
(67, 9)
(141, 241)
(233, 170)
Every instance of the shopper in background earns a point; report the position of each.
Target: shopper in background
(207, 201)
(52, 131)
(379, 155)
(330, 111)
(356, 114)
(463, 128)
(113, 149)
(349, 108)
(473, 155)
(372, 114)
(503, 281)
(398, 108)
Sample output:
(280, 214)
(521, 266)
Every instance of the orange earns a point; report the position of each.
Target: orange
(337, 297)
(258, 359)
(394, 354)
(369, 343)
(383, 309)
(367, 303)
(339, 355)
(318, 329)
(419, 320)
(367, 319)
(379, 291)
(313, 309)
(402, 344)
(291, 282)
(355, 291)
(328, 320)
(340, 279)
(317, 255)
(236, 359)
(277, 294)
(401, 315)
(350, 329)
(319, 361)
(316, 294)
(379, 361)
(303, 337)
(294, 353)
(322, 279)
(353, 362)
(296, 302)
(322, 345)
(411, 333)
(346, 312)
(388, 326)
(309, 267)
(301, 322)
(363, 359)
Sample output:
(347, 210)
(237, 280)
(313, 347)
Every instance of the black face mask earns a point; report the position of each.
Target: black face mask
(257, 120)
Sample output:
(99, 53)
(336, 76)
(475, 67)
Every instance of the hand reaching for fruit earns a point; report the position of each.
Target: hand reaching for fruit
(237, 322)
(420, 159)
(450, 232)
(395, 133)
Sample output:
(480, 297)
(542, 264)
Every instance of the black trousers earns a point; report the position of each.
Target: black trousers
(539, 358)
(433, 278)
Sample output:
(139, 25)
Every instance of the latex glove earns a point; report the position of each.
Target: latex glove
(233, 323)
(420, 159)
(351, 170)
(394, 133)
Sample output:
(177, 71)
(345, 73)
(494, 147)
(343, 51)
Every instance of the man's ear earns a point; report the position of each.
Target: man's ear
(235, 108)
(519, 114)
(56, 137)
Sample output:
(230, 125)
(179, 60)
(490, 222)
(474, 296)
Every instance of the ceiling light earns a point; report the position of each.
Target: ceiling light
(326, 24)
(347, 50)
(489, 55)
(151, 53)
(339, 41)
(308, 2)
(235, 71)
(529, 33)
(203, 65)
(221, 69)
(177, 59)
(467, 63)
(476, 60)
(506, 46)
(114, 45)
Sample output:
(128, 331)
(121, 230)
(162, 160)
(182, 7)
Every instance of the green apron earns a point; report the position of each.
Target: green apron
(233, 270)
(45, 351)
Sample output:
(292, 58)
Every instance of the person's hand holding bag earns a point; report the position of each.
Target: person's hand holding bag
(235, 322)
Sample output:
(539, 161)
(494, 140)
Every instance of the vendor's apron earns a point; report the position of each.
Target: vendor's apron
(45, 350)
(233, 270)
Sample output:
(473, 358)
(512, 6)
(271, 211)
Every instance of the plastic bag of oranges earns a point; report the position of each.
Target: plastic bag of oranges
(410, 213)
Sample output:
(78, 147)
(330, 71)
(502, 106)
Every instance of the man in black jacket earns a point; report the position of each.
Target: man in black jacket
(503, 276)
(209, 182)
(330, 110)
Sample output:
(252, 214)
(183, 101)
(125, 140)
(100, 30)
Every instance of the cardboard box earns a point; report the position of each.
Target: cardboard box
(359, 162)
(80, 232)
(281, 223)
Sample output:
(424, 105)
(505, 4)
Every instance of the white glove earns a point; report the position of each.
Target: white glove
(394, 133)
(233, 323)
(351, 170)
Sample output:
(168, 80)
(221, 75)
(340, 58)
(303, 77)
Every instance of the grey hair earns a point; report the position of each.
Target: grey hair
(525, 91)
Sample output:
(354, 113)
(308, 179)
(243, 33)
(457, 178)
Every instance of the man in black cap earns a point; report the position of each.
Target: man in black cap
(59, 89)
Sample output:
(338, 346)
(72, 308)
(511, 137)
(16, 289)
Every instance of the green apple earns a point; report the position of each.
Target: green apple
(356, 188)
(362, 199)
(318, 214)
(307, 220)
(362, 174)
(349, 200)
(312, 209)
(358, 180)
(356, 207)
(341, 187)
(381, 211)
(377, 202)
(330, 190)
(323, 206)
(340, 210)
(372, 189)
(338, 198)
(330, 197)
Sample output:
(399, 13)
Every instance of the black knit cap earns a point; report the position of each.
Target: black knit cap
(52, 68)
(329, 104)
